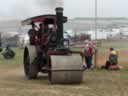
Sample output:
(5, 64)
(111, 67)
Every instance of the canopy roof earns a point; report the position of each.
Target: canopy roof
(49, 18)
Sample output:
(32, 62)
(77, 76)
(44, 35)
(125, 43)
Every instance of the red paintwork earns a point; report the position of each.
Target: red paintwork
(43, 41)
(41, 18)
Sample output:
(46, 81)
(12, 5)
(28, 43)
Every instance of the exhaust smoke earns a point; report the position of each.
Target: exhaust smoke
(28, 8)
(50, 3)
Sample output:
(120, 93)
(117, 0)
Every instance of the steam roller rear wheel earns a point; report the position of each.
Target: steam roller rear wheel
(66, 69)
(30, 66)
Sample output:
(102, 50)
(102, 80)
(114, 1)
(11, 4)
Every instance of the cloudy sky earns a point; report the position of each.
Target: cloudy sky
(72, 8)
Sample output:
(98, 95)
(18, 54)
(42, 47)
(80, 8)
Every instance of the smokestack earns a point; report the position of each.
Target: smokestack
(59, 17)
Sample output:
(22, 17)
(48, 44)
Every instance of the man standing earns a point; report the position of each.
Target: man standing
(32, 35)
(89, 50)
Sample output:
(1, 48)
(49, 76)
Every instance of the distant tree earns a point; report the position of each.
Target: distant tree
(84, 36)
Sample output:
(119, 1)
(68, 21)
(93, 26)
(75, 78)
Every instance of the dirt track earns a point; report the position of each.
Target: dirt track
(95, 83)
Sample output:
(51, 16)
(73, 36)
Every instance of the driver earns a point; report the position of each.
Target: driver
(45, 36)
(32, 34)
(40, 30)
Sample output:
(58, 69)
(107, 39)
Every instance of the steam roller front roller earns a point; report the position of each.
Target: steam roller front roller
(66, 69)
(30, 65)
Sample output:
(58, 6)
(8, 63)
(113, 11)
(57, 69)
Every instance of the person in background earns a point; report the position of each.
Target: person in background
(8, 53)
(112, 62)
(89, 51)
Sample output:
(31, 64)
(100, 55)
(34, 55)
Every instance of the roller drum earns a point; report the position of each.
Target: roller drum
(66, 69)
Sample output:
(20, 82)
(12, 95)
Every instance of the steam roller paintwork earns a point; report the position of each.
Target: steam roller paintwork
(52, 57)
(66, 69)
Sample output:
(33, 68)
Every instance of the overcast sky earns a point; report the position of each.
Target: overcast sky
(72, 8)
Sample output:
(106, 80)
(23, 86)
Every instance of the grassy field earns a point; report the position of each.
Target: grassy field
(96, 82)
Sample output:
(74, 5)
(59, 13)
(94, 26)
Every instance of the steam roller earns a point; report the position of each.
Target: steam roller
(47, 53)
